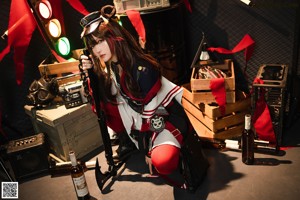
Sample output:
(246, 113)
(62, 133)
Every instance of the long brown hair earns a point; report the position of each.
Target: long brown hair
(127, 50)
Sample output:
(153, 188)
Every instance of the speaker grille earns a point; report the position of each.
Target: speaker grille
(28, 157)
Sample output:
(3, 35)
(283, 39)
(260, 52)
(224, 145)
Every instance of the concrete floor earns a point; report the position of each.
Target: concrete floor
(272, 177)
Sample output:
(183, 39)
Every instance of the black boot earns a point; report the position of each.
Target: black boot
(194, 163)
(126, 147)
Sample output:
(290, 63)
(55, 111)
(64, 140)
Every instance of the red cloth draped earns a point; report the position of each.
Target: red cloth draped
(136, 20)
(218, 89)
(187, 5)
(262, 121)
(20, 28)
(217, 86)
(246, 43)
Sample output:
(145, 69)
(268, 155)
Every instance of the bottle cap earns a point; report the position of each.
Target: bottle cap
(73, 158)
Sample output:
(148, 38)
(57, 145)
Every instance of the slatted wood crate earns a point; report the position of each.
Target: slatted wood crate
(208, 120)
(200, 88)
(65, 72)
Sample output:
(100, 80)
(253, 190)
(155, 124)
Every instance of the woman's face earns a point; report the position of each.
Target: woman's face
(102, 50)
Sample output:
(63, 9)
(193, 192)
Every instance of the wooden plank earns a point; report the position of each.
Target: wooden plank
(212, 110)
(68, 80)
(59, 68)
(213, 124)
(205, 97)
(203, 131)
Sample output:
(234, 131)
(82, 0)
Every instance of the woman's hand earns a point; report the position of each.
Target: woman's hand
(86, 62)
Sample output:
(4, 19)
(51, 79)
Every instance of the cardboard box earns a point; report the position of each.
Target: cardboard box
(210, 123)
(68, 129)
(198, 84)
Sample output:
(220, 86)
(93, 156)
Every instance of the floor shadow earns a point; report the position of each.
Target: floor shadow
(219, 175)
(134, 170)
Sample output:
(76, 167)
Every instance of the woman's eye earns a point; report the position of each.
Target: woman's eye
(96, 43)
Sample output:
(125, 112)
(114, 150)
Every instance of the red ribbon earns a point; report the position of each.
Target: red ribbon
(217, 86)
(246, 43)
(136, 20)
(262, 121)
(20, 28)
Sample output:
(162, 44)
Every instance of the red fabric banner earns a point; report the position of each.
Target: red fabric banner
(217, 86)
(20, 28)
(246, 43)
(187, 5)
(136, 20)
(262, 121)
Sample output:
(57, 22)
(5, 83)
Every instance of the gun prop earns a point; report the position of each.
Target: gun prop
(98, 97)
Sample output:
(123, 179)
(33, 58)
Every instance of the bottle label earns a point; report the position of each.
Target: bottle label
(80, 186)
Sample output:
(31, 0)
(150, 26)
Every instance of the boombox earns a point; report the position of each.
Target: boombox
(28, 157)
(123, 5)
(73, 94)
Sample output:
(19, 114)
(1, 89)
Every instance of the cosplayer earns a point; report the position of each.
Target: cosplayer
(138, 100)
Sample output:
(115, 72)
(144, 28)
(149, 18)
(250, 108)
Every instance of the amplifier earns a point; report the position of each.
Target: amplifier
(28, 157)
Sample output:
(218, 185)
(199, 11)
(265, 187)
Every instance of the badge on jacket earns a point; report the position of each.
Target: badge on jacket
(157, 121)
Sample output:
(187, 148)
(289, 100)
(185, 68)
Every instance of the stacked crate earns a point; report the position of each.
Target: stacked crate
(200, 88)
(74, 129)
(203, 111)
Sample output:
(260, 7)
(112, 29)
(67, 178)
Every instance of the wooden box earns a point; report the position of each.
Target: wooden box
(227, 67)
(205, 96)
(74, 129)
(208, 121)
(65, 72)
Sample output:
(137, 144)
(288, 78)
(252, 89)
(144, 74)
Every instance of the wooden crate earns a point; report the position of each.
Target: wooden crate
(65, 72)
(61, 70)
(210, 123)
(203, 84)
(67, 129)
(205, 97)
(203, 131)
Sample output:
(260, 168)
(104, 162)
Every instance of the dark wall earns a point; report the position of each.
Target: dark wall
(273, 24)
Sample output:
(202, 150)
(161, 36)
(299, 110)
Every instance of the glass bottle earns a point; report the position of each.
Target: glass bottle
(247, 142)
(63, 168)
(78, 178)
